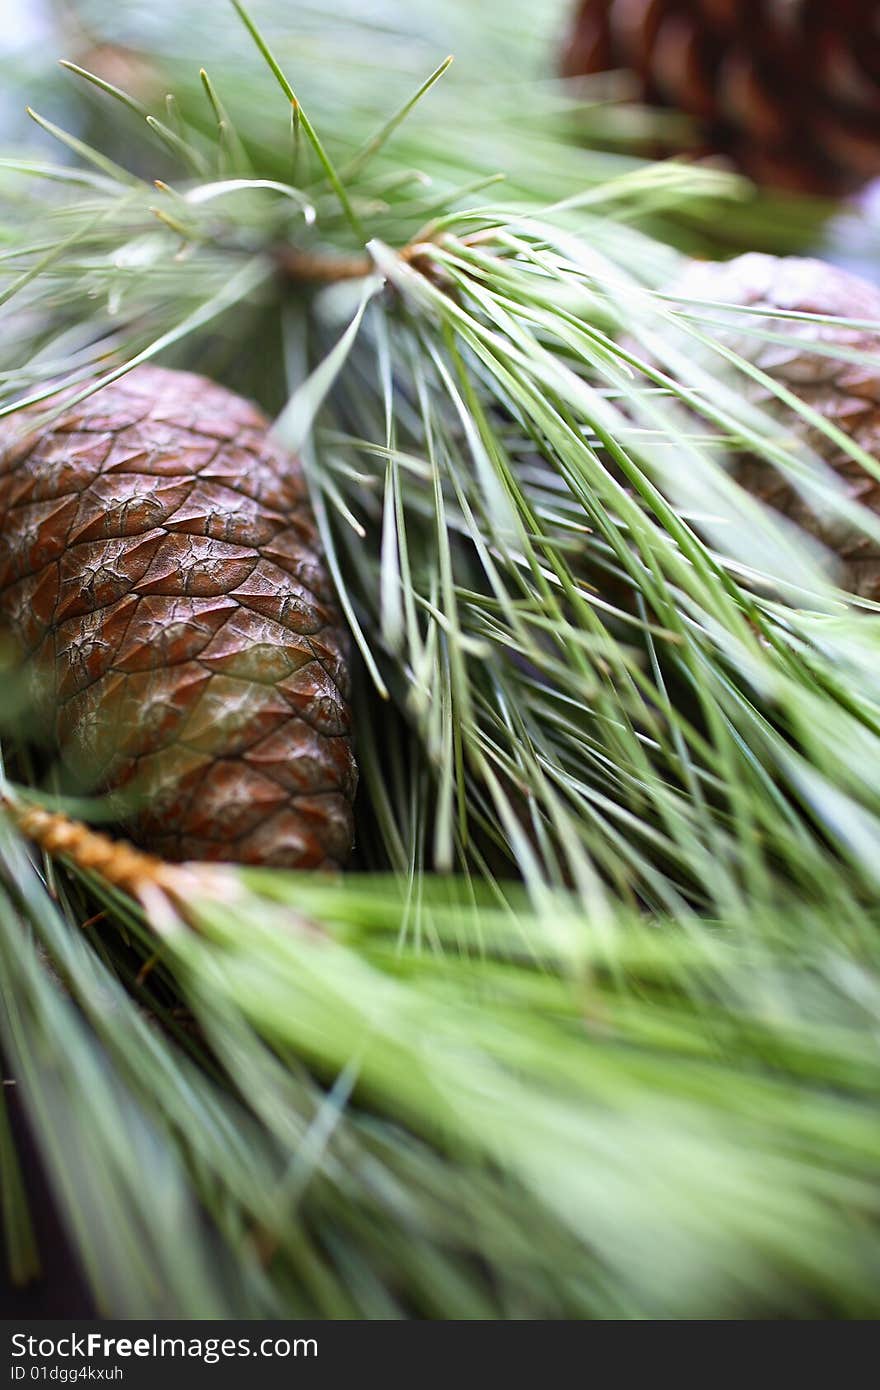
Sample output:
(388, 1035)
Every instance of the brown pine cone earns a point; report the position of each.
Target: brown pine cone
(788, 89)
(846, 394)
(160, 565)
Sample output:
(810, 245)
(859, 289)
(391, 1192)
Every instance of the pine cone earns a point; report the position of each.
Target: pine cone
(160, 565)
(788, 89)
(844, 393)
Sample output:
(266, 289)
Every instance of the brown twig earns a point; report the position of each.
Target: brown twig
(327, 268)
(317, 267)
(165, 890)
(117, 861)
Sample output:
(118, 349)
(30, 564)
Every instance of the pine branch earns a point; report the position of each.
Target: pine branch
(604, 685)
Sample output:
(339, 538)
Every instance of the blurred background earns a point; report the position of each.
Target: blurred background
(682, 75)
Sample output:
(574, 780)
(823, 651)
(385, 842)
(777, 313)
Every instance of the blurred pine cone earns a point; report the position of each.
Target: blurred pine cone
(788, 89)
(846, 394)
(160, 565)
